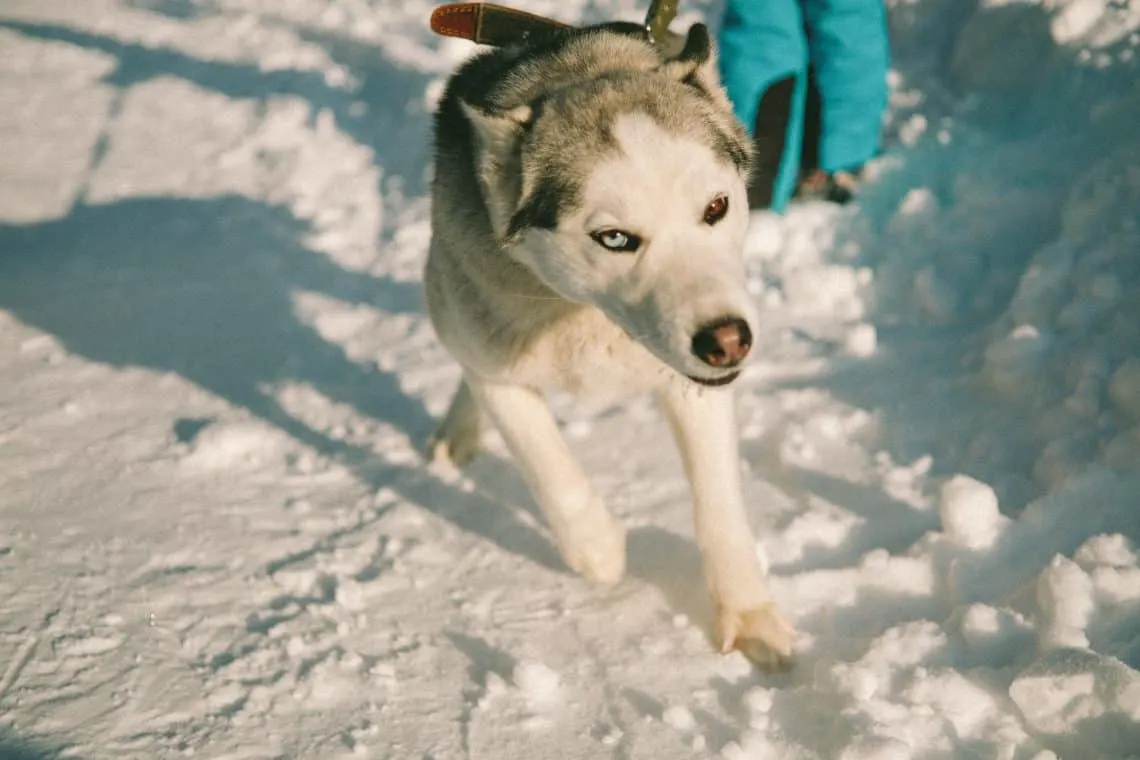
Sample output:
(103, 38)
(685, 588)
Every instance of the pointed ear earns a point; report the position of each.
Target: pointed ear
(695, 63)
(496, 132)
(497, 158)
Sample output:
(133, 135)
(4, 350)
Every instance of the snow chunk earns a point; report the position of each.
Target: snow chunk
(824, 525)
(918, 202)
(912, 129)
(758, 700)
(538, 683)
(861, 340)
(1113, 550)
(1065, 594)
(89, 646)
(969, 512)
(1124, 389)
(1123, 452)
(1088, 704)
(679, 718)
(1012, 365)
(351, 595)
(234, 445)
(995, 636)
(935, 295)
(833, 291)
(1076, 19)
(877, 748)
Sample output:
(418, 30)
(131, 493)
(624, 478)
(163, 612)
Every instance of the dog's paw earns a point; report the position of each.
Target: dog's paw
(595, 548)
(454, 446)
(761, 634)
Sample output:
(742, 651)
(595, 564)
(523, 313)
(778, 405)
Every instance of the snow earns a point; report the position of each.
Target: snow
(969, 511)
(218, 536)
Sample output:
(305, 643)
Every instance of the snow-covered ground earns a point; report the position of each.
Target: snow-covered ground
(218, 538)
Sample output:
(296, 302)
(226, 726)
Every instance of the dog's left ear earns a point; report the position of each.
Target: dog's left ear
(695, 63)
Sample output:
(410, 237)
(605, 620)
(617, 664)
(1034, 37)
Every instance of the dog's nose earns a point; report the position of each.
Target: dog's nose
(723, 343)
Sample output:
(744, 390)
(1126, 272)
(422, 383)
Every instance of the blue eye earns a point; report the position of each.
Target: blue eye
(616, 240)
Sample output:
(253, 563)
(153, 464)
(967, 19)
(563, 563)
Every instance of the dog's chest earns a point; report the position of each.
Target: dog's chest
(590, 358)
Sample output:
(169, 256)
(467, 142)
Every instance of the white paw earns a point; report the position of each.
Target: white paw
(760, 633)
(594, 546)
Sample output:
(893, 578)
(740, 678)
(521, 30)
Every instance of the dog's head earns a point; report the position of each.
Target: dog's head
(627, 191)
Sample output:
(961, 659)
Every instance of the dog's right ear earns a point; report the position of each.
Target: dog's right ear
(696, 51)
(497, 132)
(497, 159)
(694, 62)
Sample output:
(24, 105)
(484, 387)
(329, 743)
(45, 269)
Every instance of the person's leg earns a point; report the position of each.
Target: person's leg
(850, 55)
(763, 59)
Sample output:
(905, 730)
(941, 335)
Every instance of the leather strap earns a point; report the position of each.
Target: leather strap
(491, 24)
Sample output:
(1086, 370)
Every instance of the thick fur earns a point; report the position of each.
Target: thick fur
(539, 148)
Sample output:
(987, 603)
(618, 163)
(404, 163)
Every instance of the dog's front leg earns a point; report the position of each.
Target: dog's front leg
(704, 423)
(590, 540)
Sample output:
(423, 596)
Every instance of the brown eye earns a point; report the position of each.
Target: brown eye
(716, 210)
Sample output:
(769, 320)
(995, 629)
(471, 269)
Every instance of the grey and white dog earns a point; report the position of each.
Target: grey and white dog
(588, 221)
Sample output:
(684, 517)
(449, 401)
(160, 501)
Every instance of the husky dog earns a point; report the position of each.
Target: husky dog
(588, 220)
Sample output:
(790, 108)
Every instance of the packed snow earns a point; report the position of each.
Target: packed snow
(218, 534)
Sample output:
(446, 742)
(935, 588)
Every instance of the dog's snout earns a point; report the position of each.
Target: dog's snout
(723, 343)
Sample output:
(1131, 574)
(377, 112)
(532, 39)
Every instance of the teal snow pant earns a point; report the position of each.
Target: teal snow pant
(816, 64)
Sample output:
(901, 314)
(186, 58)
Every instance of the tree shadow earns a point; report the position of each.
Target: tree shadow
(204, 289)
(180, 10)
(12, 748)
(391, 115)
(382, 109)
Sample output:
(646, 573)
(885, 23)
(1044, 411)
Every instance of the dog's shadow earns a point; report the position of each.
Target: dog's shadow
(672, 564)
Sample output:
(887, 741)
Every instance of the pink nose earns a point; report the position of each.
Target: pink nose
(723, 343)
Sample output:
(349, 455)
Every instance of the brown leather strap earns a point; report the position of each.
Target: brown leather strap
(491, 24)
